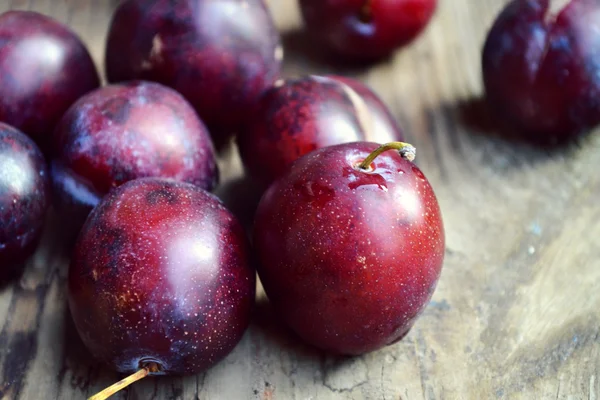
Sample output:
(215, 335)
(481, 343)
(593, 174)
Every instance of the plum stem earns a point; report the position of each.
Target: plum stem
(366, 13)
(406, 151)
(141, 374)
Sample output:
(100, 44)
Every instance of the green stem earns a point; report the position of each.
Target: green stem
(141, 374)
(406, 151)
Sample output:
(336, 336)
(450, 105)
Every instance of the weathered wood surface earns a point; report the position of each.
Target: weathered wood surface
(517, 311)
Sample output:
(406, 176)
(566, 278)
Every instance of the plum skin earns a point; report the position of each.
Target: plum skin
(220, 54)
(349, 258)
(366, 30)
(300, 115)
(122, 132)
(44, 68)
(24, 198)
(541, 74)
(172, 284)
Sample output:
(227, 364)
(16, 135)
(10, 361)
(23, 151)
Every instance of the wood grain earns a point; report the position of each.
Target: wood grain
(516, 313)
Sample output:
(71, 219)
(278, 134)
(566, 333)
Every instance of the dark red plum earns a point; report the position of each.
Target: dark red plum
(44, 68)
(123, 132)
(220, 54)
(542, 72)
(350, 257)
(161, 276)
(24, 198)
(366, 30)
(298, 116)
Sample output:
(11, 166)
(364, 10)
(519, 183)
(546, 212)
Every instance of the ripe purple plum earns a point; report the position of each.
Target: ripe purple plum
(542, 72)
(366, 30)
(123, 132)
(161, 279)
(24, 198)
(305, 114)
(350, 245)
(220, 54)
(44, 68)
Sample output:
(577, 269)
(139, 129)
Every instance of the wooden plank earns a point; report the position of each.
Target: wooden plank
(515, 314)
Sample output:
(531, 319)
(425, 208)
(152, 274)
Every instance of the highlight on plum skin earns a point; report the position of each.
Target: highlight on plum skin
(44, 68)
(24, 199)
(161, 278)
(300, 115)
(542, 72)
(123, 132)
(220, 54)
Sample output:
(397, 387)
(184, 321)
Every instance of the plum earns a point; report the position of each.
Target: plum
(24, 198)
(300, 115)
(44, 68)
(220, 54)
(366, 30)
(542, 73)
(122, 132)
(161, 279)
(350, 244)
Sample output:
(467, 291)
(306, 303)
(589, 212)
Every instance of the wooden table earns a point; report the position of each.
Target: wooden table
(516, 314)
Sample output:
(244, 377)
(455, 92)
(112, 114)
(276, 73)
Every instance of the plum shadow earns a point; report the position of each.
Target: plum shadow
(477, 116)
(304, 54)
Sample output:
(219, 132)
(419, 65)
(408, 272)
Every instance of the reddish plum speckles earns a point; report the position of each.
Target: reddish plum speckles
(349, 258)
(366, 29)
(24, 197)
(44, 68)
(220, 54)
(542, 75)
(305, 114)
(161, 273)
(123, 132)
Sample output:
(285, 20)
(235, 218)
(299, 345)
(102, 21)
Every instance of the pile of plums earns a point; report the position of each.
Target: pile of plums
(348, 238)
